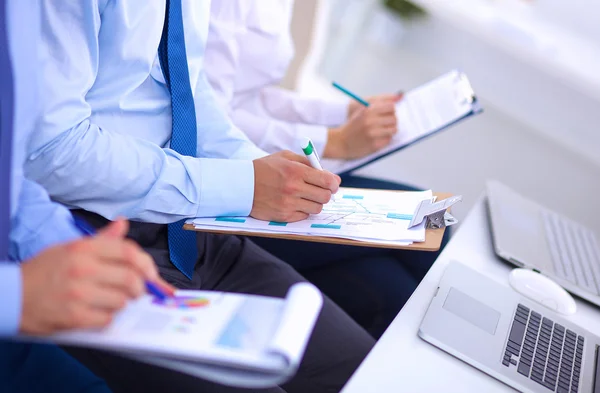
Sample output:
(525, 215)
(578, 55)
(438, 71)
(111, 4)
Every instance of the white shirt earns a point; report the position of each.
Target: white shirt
(248, 51)
(103, 140)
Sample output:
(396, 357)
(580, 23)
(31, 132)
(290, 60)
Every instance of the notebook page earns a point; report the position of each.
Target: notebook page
(199, 326)
(302, 307)
(292, 327)
(150, 325)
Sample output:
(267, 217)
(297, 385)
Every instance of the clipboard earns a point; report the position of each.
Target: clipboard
(462, 91)
(433, 237)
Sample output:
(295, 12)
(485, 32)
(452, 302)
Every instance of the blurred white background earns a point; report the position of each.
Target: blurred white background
(535, 65)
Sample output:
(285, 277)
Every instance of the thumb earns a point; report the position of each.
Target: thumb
(116, 229)
(339, 179)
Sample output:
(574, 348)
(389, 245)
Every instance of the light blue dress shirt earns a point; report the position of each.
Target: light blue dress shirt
(36, 222)
(103, 142)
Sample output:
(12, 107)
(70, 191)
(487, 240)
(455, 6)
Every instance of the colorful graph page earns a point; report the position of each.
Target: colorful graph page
(352, 213)
(183, 302)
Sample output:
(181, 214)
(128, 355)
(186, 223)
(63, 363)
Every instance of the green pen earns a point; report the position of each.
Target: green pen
(311, 153)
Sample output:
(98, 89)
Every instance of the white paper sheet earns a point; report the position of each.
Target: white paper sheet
(364, 215)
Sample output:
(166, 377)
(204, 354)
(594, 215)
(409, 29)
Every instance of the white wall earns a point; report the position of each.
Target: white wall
(539, 134)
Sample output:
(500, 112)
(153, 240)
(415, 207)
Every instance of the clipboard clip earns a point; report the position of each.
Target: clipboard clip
(466, 95)
(435, 213)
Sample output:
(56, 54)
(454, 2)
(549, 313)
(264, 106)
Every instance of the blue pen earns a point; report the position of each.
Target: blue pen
(156, 291)
(89, 230)
(84, 227)
(350, 94)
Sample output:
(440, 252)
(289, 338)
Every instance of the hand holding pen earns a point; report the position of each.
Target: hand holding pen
(288, 186)
(84, 283)
(371, 125)
(153, 284)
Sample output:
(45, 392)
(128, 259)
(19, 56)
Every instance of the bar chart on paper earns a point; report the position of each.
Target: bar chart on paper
(370, 215)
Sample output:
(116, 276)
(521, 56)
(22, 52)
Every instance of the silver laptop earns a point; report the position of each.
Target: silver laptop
(528, 235)
(514, 340)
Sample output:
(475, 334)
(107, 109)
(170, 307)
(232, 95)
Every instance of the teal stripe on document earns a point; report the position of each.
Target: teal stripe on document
(400, 216)
(278, 224)
(230, 219)
(326, 226)
(353, 197)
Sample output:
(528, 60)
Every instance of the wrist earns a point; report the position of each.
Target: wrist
(336, 145)
(353, 106)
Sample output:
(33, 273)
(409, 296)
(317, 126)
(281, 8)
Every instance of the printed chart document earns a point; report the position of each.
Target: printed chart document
(376, 216)
(423, 111)
(234, 339)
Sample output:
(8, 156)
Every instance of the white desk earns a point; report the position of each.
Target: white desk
(403, 362)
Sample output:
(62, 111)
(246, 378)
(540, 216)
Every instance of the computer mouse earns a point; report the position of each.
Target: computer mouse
(542, 290)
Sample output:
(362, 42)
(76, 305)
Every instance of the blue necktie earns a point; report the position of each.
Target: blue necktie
(183, 250)
(6, 125)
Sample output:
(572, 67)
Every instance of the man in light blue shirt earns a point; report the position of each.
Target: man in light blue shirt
(130, 127)
(37, 295)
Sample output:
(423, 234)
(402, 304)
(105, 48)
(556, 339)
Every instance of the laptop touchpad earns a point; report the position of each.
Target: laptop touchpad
(472, 310)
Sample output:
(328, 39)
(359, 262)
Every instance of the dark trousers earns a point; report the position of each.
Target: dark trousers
(234, 264)
(40, 368)
(370, 284)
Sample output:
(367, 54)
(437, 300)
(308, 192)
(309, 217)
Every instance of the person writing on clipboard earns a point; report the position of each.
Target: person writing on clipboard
(249, 49)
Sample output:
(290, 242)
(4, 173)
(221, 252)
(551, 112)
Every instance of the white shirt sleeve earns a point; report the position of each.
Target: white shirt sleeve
(222, 53)
(274, 135)
(292, 107)
(114, 174)
(272, 117)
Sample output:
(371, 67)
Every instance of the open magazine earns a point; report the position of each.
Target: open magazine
(234, 339)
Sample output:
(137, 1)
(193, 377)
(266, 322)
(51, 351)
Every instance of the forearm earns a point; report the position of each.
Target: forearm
(291, 106)
(118, 175)
(274, 135)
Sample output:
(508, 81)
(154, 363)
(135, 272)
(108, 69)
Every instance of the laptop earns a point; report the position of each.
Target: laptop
(517, 341)
(528, 235)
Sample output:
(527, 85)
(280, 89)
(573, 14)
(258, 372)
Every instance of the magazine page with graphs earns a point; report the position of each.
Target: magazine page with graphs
(237, 339)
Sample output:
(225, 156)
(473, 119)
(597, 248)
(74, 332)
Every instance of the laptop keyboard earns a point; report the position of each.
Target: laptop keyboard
(544, 351)
(574, 250)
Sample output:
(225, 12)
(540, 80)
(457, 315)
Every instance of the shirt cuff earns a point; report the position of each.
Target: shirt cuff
(227, 188)
(334, 113)
(11, 295)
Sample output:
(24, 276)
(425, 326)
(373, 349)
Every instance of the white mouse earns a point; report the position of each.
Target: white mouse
(543, 290)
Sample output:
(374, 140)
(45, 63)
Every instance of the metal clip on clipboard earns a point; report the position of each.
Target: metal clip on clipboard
(464, 91)
(435, 213)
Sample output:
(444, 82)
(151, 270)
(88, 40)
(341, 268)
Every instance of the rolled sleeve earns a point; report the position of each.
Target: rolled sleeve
(290, 106)
(11, 295)
(227, 188)
(334, 113)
